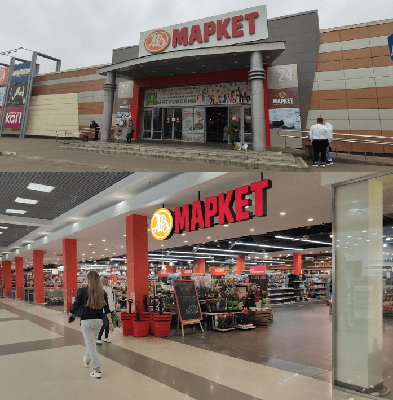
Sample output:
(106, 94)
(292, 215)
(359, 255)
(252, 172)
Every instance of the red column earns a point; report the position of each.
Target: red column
(70, 275)
(240, 263)
(137, 259)
(38, 268)
(20, 280)
(200, 266)
(7, 277)
(297, 263)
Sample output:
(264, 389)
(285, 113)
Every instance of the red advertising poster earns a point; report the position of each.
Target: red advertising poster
(186, 272)
(216, 271)
(284, 98)
(3, 76)
(258, 270)
(13, 118)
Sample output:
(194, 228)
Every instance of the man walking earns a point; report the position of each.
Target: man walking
(320, 136)
(328, 152)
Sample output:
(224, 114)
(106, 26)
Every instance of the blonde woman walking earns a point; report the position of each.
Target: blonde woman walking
(91, 301)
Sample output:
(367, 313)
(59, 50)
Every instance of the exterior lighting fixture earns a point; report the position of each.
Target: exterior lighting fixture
(40, 188)
(25, 201)
(12, 211)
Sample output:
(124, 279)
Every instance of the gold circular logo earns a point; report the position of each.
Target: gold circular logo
(157, 41)
(282, 94)
(161, 224)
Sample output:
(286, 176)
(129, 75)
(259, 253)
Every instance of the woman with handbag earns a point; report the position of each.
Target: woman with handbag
(130, 129)
(91, 300)
(111, 305)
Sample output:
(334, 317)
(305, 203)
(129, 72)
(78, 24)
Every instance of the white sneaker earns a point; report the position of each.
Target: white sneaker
(107, 340)
(86, 363)
(98, 342)
(95, 374)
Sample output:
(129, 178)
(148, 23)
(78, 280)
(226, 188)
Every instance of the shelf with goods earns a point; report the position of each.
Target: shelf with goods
(318, 286)
(387, 293)
(297, 285)
(277, 279)
(281, 295)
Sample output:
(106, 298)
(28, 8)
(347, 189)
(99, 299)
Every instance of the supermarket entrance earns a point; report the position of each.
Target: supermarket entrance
(216, 122)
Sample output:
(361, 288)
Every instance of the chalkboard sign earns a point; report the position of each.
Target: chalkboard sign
(187, 300)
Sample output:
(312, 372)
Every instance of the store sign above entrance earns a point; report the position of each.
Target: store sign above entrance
(236, 27)
(229, 207)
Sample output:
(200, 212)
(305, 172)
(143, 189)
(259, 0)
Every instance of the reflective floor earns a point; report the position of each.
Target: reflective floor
(41, 357)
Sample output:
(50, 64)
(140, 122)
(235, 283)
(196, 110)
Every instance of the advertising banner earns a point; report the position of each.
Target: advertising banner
(123, 105)
(284, 112)
(13, 118)
(21, 73)
(219, 93)
(257, 269)
(17, 95)
(228, 29)
(3, 76)
(217, 271)
(2, 93)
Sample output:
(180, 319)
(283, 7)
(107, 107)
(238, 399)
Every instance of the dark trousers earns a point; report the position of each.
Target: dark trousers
(104, 327)
(129, 138)
(319, 146)
(96, 136)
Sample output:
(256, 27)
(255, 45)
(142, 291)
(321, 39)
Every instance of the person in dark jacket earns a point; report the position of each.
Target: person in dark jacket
(130, 129)
(96, 129)
(234, 128)
(90, 301)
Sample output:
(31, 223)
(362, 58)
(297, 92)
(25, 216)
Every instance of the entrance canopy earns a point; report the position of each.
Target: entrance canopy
(195, 61)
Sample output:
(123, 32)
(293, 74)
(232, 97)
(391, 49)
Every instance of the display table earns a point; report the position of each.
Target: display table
(211, 318)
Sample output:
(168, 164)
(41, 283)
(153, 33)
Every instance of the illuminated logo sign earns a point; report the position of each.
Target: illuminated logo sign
(161, 224)
(157, 41)
(229, 207)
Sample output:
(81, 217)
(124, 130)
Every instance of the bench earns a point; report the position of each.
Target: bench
(87, 133)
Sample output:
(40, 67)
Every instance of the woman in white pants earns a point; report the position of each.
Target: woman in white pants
(91, 301)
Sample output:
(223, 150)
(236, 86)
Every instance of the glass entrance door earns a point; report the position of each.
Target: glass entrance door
(247, 125)
(173, 123)
(216, 121)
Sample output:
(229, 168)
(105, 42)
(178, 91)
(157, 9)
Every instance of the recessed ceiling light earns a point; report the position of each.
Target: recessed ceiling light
(106, 249)
(282, 213)
(252, 230)
(3, 227)
(311, 219)
(90, 244)
(25, 201)
(183, 234)
(124, 235)
(225, 225)
(83, 254)
(93, 252)
(162, 245)
(185, 241)
(12, 211)
(121, 247)
(40, 188)
(103, 240)
(209, 237)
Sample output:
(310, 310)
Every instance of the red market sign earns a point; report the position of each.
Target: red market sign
(186, 272)
(229, 207)
(217, 271)
(223, 30)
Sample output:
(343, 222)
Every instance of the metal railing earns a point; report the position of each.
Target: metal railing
(362, 139)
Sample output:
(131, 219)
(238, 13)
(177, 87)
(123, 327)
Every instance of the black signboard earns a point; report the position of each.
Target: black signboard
(187, 300)
(17, 94)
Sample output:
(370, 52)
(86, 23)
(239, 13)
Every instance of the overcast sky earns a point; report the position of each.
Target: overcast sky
(83, 32)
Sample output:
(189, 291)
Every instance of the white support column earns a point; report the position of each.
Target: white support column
(109, 94)
(357, 297)
(256, 76)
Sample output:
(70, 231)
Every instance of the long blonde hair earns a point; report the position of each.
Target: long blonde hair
(95, 291)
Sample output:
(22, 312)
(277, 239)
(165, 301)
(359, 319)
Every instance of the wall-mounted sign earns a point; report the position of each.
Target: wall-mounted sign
(13, 118)
(217, 271)
(2, 92)
(21, 73)
(236, 27)
(3, 76)
(229, 207)
(17, 94)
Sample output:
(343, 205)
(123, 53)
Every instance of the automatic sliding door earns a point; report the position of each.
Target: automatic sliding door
(147, 121)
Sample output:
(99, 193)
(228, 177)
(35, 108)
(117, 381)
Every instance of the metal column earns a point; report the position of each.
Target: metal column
(7, 91)
(256, 76)
(109, 94)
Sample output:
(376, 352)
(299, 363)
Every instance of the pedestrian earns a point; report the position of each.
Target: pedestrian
(320, 136)
(130, 129)
(328, 149)
(96, 128)
(90, 301)
(111, 305)
(234, 128)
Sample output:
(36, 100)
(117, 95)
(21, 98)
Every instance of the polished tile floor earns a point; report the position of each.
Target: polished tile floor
(41, 357)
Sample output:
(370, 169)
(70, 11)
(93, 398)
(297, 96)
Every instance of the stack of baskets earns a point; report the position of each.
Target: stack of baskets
(160, 325)
(127, 322)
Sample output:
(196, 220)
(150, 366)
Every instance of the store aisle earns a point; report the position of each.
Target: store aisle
(135, 368)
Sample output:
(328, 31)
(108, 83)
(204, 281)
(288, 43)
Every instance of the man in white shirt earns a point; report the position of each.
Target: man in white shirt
(320, 136)
(328, 153)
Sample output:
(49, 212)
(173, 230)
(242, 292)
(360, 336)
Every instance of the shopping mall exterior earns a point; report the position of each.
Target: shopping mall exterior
(185, 82)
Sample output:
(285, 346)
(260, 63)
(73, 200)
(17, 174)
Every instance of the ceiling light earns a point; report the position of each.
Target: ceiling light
(40, 188)
(25, 201)
(208, 237)
(162, 245)
(93, 252)
(185, 241)
(252, 230)
(385, 245)
(225, 225)
(12, 211)
(3, 227)
(183, 234)
(103, 240)
(121, 247)
(124, 235)
(310, 219)
(282, 213)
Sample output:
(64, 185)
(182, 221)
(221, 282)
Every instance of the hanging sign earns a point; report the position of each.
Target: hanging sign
(257, 269)
(229, 207)
(232, 28)
(217, 271)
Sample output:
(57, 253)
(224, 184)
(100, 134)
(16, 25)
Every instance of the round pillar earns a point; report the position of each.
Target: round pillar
(256, 76)
(109, 94)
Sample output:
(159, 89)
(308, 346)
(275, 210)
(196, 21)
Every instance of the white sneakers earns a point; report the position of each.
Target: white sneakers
(95, 374)
(107, 340)
(98, 342)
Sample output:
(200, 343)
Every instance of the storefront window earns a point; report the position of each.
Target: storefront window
(147, 117)
(247, 125)
(362, 233)
(157, 123)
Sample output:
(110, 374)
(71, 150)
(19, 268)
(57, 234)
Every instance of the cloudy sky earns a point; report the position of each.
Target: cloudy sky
(83, 32)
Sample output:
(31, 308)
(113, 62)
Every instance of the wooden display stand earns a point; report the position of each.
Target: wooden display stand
(262, 317)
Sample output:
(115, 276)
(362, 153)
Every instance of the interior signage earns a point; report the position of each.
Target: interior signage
(229, 207)
(223, 30)
(217, 271)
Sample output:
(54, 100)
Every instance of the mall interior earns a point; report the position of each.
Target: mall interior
(291, 276)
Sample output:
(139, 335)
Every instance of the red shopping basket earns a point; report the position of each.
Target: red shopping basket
(160, 328)
(141, 328)
(127, 323)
